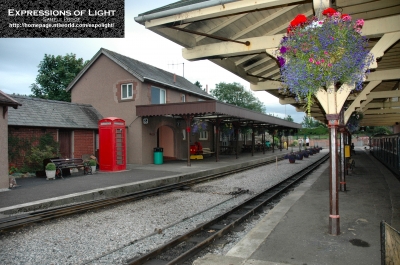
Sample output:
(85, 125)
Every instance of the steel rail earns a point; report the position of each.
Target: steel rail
(236, 215)
(12, 222)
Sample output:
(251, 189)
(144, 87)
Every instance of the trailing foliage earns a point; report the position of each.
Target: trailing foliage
(17, 147)
(32, 155)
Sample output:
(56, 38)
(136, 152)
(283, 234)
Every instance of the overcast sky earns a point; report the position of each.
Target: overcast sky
(20, 58)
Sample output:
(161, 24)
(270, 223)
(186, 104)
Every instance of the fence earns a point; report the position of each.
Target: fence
(390, 245)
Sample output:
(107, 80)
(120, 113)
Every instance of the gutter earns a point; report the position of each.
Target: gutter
(166, 13)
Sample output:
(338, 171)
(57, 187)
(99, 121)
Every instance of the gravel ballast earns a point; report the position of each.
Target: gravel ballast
(114, 234)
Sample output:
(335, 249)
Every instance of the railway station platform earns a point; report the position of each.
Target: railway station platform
(296, 230)
(38, 193)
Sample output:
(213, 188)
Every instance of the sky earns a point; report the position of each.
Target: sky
(20, 57)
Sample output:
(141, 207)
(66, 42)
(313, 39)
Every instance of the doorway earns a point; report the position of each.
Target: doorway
(64, 139)
(166, 141)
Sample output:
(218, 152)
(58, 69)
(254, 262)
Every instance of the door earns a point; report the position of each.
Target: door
(64, 139)
(166, 141)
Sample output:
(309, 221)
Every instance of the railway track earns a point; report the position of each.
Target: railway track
(16, 221)
(186, 246)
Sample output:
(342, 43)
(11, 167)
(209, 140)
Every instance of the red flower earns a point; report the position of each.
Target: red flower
(298, 20)
(346, 17)
(329, 12)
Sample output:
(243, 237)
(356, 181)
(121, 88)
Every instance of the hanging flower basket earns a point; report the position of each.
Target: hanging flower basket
(199, 126)
(227, 129)
(316, 53)
(354, 121)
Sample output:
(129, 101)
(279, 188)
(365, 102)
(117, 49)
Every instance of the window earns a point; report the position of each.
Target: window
(203, 135)
(183, 98)
(126, 91)
(157, 95)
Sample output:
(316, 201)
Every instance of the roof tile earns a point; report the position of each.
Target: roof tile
(52, 113)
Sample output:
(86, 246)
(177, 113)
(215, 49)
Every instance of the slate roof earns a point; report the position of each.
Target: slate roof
(51, 113)
(145, 72)
(6, 100)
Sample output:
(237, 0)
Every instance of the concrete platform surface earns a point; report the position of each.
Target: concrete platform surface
(38, 193)
(296, 230)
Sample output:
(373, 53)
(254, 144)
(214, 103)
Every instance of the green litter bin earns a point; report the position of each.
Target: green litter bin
(158, 155)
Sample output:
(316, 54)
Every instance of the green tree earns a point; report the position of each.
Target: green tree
(310, 122)
(54, 75)
(374, 130)
(289, 118)
(197, 83)
(236, 94)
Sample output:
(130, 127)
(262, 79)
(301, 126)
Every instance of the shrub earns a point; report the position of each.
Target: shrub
(12, 169)
(37, 155)
(92, 162)
(51, 166)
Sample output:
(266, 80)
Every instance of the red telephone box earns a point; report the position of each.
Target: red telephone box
(112, 151)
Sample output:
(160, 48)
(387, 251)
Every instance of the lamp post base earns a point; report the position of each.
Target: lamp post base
(334, 225)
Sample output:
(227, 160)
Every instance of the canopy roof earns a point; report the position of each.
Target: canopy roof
(212, 110)
(240, 36)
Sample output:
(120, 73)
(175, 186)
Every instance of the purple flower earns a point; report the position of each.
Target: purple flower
(281, 61)
(314, 55)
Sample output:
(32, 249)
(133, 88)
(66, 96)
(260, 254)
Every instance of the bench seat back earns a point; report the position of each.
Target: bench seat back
(67, 162)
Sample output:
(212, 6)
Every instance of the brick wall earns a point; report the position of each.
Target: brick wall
(32, 134)
(83, 143)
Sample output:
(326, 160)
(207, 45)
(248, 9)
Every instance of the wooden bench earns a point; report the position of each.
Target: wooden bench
(207, 151)
(68, 163)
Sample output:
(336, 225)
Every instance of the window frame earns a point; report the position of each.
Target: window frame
(127, 91)
(203, 135)
(159, 89)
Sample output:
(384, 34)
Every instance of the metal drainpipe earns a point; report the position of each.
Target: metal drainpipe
(183, 9)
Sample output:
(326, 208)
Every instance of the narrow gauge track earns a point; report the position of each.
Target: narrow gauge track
(186, 246)
(16, 221)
